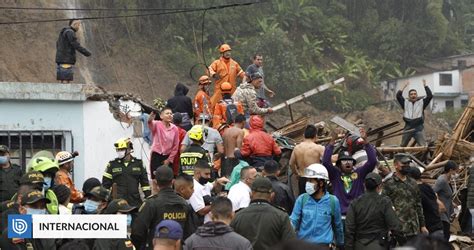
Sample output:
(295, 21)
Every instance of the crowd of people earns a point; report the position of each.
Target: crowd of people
(214, 180)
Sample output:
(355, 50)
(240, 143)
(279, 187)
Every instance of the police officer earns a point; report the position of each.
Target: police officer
(10, 175)
(127, 172)
(48, 167)
(370, 217)
(166, 205)
(261, 223)
(193, 152)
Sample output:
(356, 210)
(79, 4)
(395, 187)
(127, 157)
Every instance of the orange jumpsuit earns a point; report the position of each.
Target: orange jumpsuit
(62, 177)
(200, 101)
(228, 71)
(220, 109)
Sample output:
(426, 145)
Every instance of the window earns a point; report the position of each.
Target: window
(464, 103)
(445, 80)
(24, 144)
(449, 104)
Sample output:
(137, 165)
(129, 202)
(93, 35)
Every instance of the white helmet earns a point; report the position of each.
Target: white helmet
(316, 171)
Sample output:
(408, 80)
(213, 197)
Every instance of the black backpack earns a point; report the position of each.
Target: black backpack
(231, 111)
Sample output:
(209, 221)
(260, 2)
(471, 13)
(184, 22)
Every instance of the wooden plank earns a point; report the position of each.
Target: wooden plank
(308, 93)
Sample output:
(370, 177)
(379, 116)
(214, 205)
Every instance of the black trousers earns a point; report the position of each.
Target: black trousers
(302, 184)
(156, 161)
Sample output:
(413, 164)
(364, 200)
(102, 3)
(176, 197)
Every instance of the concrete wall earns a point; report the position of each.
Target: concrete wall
(101, 131)
(455, 88)
(439, 103)
(93, 127)
(468, 82)
(46, 115)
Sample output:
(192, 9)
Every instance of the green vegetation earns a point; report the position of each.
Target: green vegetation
(308, 42)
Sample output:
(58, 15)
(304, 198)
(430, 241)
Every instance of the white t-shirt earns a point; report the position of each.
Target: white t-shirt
(239, 194)
(196, 200)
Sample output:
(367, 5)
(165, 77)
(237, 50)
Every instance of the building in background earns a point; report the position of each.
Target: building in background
(55, 117)
(451, 79)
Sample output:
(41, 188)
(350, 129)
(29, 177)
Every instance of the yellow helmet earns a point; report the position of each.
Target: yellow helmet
(123, 143)
(195, 133)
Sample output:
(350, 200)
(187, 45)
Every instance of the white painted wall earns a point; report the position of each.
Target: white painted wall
(101, 131)
(455, 88)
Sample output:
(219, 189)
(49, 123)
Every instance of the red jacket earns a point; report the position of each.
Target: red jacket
(258, 142)
(182, 134)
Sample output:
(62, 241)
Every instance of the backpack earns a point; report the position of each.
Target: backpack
(231, 112)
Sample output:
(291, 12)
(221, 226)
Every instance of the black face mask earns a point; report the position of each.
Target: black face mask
(203, 180)
(405, 170)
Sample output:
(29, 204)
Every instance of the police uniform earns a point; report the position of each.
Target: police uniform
(127, 175)
(9, 181)
(263, 224)
(190, 156)
(166, 205)
(368, 220)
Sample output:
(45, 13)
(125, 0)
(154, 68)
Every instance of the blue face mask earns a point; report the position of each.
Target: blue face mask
(129, 220)
(91, 206)
(47, 181)
(4, 160)
(35, 211)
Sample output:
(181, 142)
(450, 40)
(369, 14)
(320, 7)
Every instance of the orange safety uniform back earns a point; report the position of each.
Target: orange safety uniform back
(220, 112)
(201, 102)
(228, 71)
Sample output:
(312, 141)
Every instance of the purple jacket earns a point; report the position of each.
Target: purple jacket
(358, 180)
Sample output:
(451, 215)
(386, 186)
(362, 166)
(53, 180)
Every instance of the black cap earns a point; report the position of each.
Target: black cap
(100, 192)
(402, 158)
(4, 148)
(375, 177)
(32, 177)
(415, 173)
(62, 192)
(5, 205)
(119, 205)
(90, 184)
(262, 185)
(33, 197)
(345, 155)
(177, 118)
(271, 166)
(164, 174)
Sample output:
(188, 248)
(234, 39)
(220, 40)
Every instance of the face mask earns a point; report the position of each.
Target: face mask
(47, 181)
(35, 211)
(121, 154)
(91, 206)
(405, 170)
(129, 220)
(4, 160)
(203, 180)
(310, 188)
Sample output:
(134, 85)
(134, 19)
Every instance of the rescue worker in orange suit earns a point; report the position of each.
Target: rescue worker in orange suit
(259, 146)
(202, 102)
(63, 176)
(226, 106)
(224, 69)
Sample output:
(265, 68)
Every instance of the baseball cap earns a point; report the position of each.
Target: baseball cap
(4, 148)
(119, 205)
(164, 174)
(99, 192)
(168, 229)
(403, 158)
(262, 185)
(89, 184)
(375, 177)
(32, 177)
(33, 197)
(62, 192)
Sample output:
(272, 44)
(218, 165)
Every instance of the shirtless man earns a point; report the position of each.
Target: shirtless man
(305, 154)
(233, 138)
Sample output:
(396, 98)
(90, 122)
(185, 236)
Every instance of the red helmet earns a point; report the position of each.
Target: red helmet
(224, 47)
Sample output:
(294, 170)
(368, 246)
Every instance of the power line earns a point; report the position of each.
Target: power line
(90, 9)
(134, 15)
